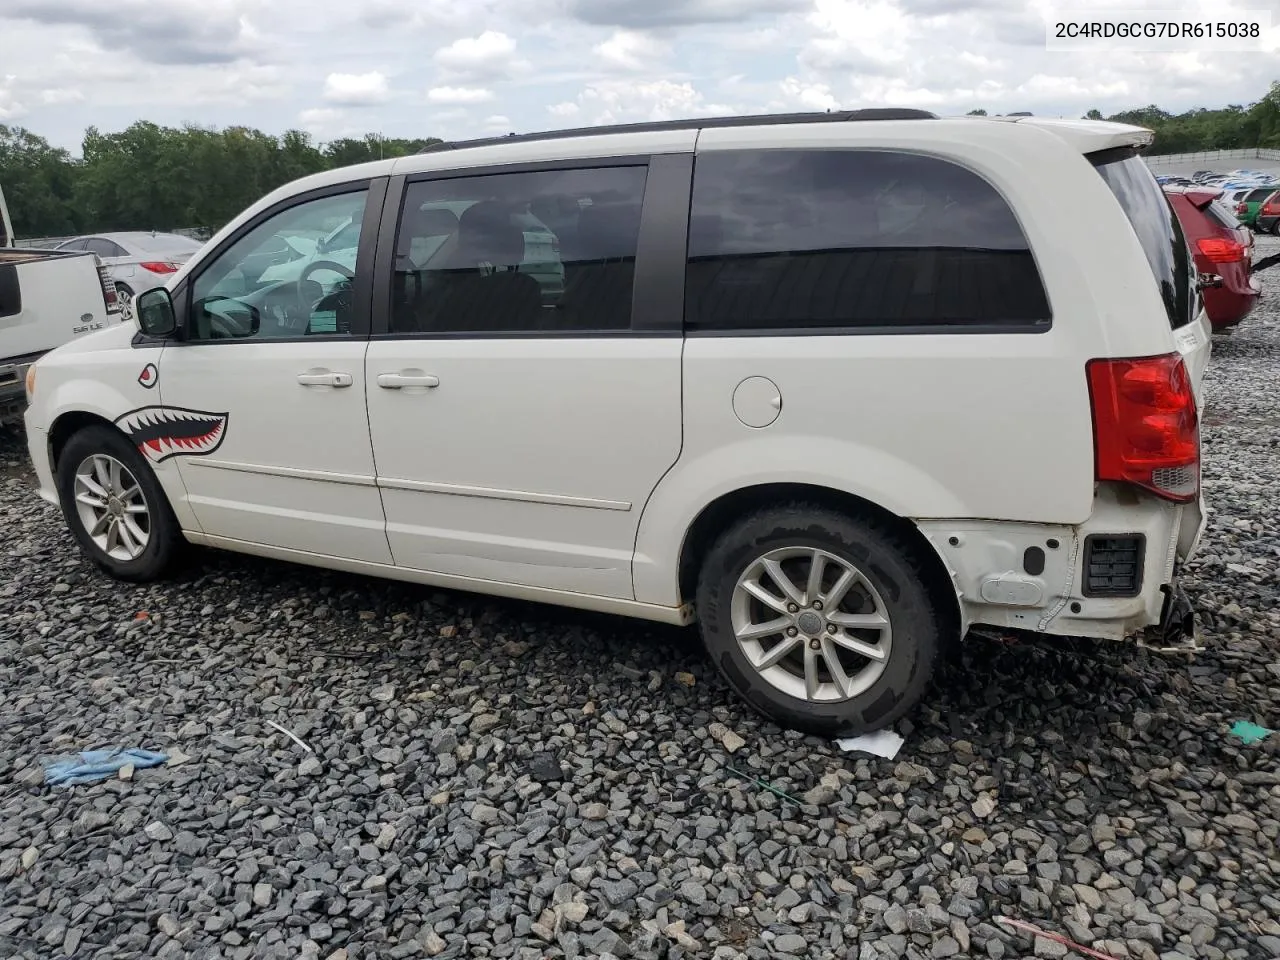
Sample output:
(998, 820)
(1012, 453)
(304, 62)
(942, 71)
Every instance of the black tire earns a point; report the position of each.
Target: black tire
(165, 536)
(892, 568)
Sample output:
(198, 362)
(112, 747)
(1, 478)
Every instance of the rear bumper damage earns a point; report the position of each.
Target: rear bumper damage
(1110, 578)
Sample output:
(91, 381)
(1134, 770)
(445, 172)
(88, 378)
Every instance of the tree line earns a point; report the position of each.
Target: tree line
(150, 177)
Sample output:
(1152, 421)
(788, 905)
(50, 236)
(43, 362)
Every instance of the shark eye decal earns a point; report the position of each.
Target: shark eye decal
(163, 432)
(149, 376)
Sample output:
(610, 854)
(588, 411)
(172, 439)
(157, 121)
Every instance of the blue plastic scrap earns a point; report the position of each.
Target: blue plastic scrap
(94, 765)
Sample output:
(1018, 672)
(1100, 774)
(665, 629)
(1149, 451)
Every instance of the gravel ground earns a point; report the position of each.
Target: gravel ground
(495, 779)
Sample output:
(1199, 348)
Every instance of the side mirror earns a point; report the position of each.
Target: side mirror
(154, 310)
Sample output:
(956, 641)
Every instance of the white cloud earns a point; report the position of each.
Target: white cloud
(58, 95)
(631, 50)
(320, 116)
(72, 63)
(497, 120)
(620, 101)
(357, 89)
(11, 108)
(809, 96)
(459, 95)
(173, 32)
(490, 53)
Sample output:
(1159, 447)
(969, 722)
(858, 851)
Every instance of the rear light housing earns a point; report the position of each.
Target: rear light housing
(109, 297)
(1146, 430)
(1221, 249)
(159, 266)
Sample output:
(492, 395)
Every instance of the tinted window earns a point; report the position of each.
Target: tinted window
(785, 240)
(274, 282)
(546, 251)
(1157, 228)
(105, 248)
(1257, 196)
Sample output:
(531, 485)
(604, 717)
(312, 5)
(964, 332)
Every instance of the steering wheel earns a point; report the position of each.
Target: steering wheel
(318, 265)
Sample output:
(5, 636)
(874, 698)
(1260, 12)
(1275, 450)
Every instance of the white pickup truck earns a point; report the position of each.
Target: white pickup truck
(47, 298)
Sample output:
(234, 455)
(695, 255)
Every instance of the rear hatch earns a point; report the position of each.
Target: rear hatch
(1173, 269)
(1168, 254)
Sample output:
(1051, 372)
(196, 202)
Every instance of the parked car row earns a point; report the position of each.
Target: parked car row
(1252, 196)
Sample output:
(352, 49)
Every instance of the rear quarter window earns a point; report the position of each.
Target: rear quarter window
(786, 241)
(1157, 229)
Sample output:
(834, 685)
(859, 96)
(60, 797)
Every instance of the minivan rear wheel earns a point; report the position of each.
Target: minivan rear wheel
(820, 621)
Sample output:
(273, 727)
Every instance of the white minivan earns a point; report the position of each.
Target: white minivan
(835, 387)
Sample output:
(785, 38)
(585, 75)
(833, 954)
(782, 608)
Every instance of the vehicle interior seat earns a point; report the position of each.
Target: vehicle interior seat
(599, 267)
(480, 287)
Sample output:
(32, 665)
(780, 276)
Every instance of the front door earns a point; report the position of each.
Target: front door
(263, 402)
(519, 420)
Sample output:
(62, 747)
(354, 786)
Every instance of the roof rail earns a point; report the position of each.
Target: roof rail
(763, 119)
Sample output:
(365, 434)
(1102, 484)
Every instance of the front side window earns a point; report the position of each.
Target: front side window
(790, 240)
(543, 251)
(284, 278)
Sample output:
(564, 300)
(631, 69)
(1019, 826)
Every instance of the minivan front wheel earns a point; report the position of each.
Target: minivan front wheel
(115, 506)
(822, 622)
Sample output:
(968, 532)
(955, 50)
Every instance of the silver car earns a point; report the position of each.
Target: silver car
(136, 261)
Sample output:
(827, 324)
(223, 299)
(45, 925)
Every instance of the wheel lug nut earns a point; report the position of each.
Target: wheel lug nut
(792, 631)
(814, 645)
(831, 628)
(817, 604)
(792, 608)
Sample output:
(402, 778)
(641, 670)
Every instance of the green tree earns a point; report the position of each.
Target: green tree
(976, 113)
(38, 181)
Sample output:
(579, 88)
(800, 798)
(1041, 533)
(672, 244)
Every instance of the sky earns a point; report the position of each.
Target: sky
(463, 68)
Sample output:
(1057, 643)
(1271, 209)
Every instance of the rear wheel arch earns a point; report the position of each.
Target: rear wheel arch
(720, 514)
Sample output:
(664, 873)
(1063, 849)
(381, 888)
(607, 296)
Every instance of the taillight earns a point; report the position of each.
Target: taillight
(158, 266)
(1145, 427)
(1221, 249)
(109, 298)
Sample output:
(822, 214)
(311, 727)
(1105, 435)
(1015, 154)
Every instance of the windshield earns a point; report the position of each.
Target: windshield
(1156, 227)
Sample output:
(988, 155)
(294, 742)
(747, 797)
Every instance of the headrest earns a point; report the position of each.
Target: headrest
(487, 232)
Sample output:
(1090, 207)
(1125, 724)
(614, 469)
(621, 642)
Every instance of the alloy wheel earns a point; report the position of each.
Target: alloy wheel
(112, 507)
(811, 624)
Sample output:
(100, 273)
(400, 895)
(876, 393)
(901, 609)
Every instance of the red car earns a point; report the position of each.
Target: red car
(1223, 251)
(1269, 214)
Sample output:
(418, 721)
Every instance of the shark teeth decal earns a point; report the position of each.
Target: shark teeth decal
(163, 432)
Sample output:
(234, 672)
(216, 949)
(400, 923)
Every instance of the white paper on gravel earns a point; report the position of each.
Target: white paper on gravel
(881, 743)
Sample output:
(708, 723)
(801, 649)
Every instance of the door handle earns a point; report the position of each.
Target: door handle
(324, 378)
(395, 381)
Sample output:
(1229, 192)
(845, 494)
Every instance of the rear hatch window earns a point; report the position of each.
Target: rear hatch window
(1157, 229)
(1222, 216)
